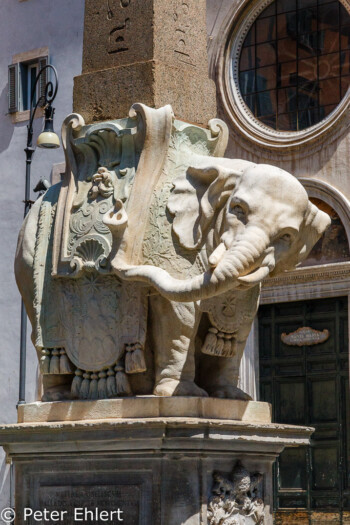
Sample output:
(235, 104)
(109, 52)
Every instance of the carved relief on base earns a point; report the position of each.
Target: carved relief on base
(236, 501)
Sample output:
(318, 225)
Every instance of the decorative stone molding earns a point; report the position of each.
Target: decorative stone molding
(23, 116)
(33, 54)
(314, 282)
(325, 272)
(329, 194)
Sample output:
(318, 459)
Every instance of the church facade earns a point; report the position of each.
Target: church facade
(281, 70)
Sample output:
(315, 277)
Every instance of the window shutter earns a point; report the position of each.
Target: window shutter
(42, 62)
(13, 89)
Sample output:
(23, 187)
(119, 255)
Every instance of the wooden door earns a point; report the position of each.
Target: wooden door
(309, 385)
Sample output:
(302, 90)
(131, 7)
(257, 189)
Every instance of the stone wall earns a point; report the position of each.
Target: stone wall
(25, 26)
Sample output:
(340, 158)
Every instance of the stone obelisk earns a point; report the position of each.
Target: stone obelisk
(149, 51)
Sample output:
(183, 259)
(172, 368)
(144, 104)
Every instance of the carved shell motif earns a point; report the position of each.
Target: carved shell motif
(89, 256)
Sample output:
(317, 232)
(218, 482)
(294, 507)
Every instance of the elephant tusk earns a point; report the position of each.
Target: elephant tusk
(217, 254)
(255, 277)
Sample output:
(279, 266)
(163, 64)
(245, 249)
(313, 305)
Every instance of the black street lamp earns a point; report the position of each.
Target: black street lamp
(47, 139)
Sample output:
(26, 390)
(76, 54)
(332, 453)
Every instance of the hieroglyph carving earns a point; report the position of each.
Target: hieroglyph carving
(238, 500)
(182, 28)
(120, 33)
(153, 245)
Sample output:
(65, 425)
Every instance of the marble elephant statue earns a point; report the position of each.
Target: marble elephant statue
(141, 271)
(245, 222)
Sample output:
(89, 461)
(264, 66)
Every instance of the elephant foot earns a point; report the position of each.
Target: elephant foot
(57, 394)
(173, 387)
(230, 392)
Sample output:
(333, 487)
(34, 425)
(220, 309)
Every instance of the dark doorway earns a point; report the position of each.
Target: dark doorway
(308, 384)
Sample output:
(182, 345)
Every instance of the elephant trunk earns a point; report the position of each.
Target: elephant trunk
(244, 256)
(248, 252)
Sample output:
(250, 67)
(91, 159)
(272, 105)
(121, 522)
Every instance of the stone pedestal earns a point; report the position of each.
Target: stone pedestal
(156, 469)
(149, 51)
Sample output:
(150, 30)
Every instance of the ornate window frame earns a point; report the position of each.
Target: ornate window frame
(242, 18)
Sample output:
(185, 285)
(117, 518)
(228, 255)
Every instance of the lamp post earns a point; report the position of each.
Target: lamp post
(47, 139)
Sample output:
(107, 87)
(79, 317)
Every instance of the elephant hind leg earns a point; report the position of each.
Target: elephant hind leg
(56, 387)
(24, 259)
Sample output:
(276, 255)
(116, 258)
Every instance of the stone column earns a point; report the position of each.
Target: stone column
(149, 51)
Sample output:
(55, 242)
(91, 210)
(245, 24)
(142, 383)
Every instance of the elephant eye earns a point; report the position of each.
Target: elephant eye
(237, 210)
(286, 238)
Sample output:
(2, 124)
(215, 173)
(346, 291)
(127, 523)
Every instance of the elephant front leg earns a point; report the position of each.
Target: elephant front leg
(174, 326)
(220, 375)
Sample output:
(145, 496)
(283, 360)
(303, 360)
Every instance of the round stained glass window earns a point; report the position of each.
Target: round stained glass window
(294, 66)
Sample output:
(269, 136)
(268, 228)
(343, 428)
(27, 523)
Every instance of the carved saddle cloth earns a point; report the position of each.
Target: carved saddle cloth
(93, 316)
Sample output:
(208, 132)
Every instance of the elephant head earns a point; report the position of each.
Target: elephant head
(254, 220)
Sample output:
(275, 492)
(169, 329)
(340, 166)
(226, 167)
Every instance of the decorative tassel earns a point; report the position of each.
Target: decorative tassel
(55, 362)
(210, 342)
(233, 346)
(227, 346)
(45, 361)
(102, 385)
(93, 390)
(219, 344)
(111, 386)
(85, 386)
(135, 359)
(76, 383)
(65, 366)
(219, 350)
(122, 382)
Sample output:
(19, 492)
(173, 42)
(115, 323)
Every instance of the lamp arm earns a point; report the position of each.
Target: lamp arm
(47, 98)
(30, 124)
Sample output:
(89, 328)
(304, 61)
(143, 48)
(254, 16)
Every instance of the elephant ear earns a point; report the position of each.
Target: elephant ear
(197, 194)
(315, 224)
